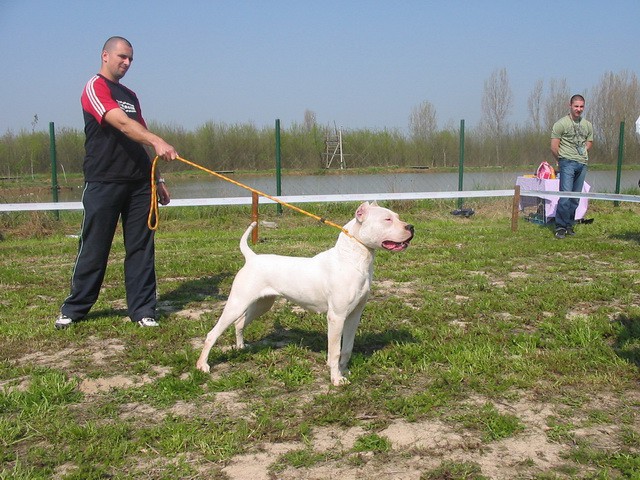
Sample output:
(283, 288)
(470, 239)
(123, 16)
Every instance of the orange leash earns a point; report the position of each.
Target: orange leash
(154, 218)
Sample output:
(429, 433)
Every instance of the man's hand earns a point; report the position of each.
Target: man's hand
(163, 194)
(164, 150)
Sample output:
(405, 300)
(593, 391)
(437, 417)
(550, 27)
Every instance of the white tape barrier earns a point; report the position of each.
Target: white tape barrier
(196, 202)
(356, 197)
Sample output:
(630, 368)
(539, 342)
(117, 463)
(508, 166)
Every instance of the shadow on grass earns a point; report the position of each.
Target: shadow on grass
(365, 344)
(101, 313)
(628, 237)
(104, 312)
(627, 345)
(205, 288)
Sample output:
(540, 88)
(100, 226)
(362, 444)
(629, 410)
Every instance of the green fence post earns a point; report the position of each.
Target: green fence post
(461, 164)
(278, 165)
(54, 166)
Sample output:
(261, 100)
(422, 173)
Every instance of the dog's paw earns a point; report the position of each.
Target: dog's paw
(203, 367)
(340, 381)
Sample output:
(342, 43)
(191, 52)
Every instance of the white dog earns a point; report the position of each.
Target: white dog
(336, 281)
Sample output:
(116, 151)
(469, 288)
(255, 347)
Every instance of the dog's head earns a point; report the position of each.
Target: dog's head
(381, 228)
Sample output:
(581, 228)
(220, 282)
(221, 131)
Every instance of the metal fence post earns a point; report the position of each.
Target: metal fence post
(278, 167)
(54, 166)
(461, 164)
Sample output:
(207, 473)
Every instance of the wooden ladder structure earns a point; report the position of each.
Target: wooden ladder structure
(333, 149)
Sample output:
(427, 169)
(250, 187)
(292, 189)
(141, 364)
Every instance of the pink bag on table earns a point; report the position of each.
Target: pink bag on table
(545, 171)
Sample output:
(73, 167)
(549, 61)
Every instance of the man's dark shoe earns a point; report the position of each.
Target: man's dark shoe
(570, 231)
(561, 233)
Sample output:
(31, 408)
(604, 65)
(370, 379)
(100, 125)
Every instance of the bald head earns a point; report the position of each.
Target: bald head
(111, 43)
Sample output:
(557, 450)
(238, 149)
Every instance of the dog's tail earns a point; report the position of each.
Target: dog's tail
(244, 244)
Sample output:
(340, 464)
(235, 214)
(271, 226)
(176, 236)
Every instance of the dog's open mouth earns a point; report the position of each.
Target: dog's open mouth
(395, 246)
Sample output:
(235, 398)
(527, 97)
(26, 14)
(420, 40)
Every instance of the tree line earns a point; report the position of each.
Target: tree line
(493, 143)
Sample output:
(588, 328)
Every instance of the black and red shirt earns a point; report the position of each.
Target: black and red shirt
(110, 155)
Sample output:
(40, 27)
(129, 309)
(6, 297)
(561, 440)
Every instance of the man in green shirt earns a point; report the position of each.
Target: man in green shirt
(571, 139)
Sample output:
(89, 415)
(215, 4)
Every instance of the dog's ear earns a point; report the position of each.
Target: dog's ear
(374, 204)
(361, 212)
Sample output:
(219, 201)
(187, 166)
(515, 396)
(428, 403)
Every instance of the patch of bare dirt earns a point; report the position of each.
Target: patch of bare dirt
(92, 386)
(416, 447)
(254, 466)
(96, 352)
(403, 290)
(61, 359)
(193, 313)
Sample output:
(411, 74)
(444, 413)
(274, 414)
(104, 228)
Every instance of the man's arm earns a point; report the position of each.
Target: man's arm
(555, 148)
(138, 133)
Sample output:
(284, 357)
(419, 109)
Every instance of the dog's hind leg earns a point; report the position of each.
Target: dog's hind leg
(260, 306)
(233, 312)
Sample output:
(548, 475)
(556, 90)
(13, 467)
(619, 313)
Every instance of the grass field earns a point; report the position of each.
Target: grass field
(482, 354)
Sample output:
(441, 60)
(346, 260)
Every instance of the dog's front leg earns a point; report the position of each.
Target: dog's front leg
(348, 337)
(334, 338)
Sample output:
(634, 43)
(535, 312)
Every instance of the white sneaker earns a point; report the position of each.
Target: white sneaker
(63, 322)
(147, 322)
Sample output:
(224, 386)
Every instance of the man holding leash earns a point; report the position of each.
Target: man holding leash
(117, 171)
(571, 139)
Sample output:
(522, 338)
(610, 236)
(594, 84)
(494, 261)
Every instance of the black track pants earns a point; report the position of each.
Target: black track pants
(104, 204)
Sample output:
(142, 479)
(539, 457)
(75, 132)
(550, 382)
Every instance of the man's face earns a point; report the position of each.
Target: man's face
(577, 107)
(116, 61)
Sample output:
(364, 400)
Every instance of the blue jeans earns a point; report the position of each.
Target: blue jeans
(572, 175)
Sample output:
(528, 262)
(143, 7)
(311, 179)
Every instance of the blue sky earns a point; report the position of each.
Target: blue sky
(359, 64)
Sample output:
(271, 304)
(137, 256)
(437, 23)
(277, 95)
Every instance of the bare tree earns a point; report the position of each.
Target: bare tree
(615, 99)
(534, 104)
(556, 104)
(497, 100)
(422, 121)
(309, 120)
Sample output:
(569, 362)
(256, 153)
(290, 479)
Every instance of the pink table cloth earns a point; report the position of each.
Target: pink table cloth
(550, 204)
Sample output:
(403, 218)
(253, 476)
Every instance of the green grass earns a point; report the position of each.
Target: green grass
(492, 335)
